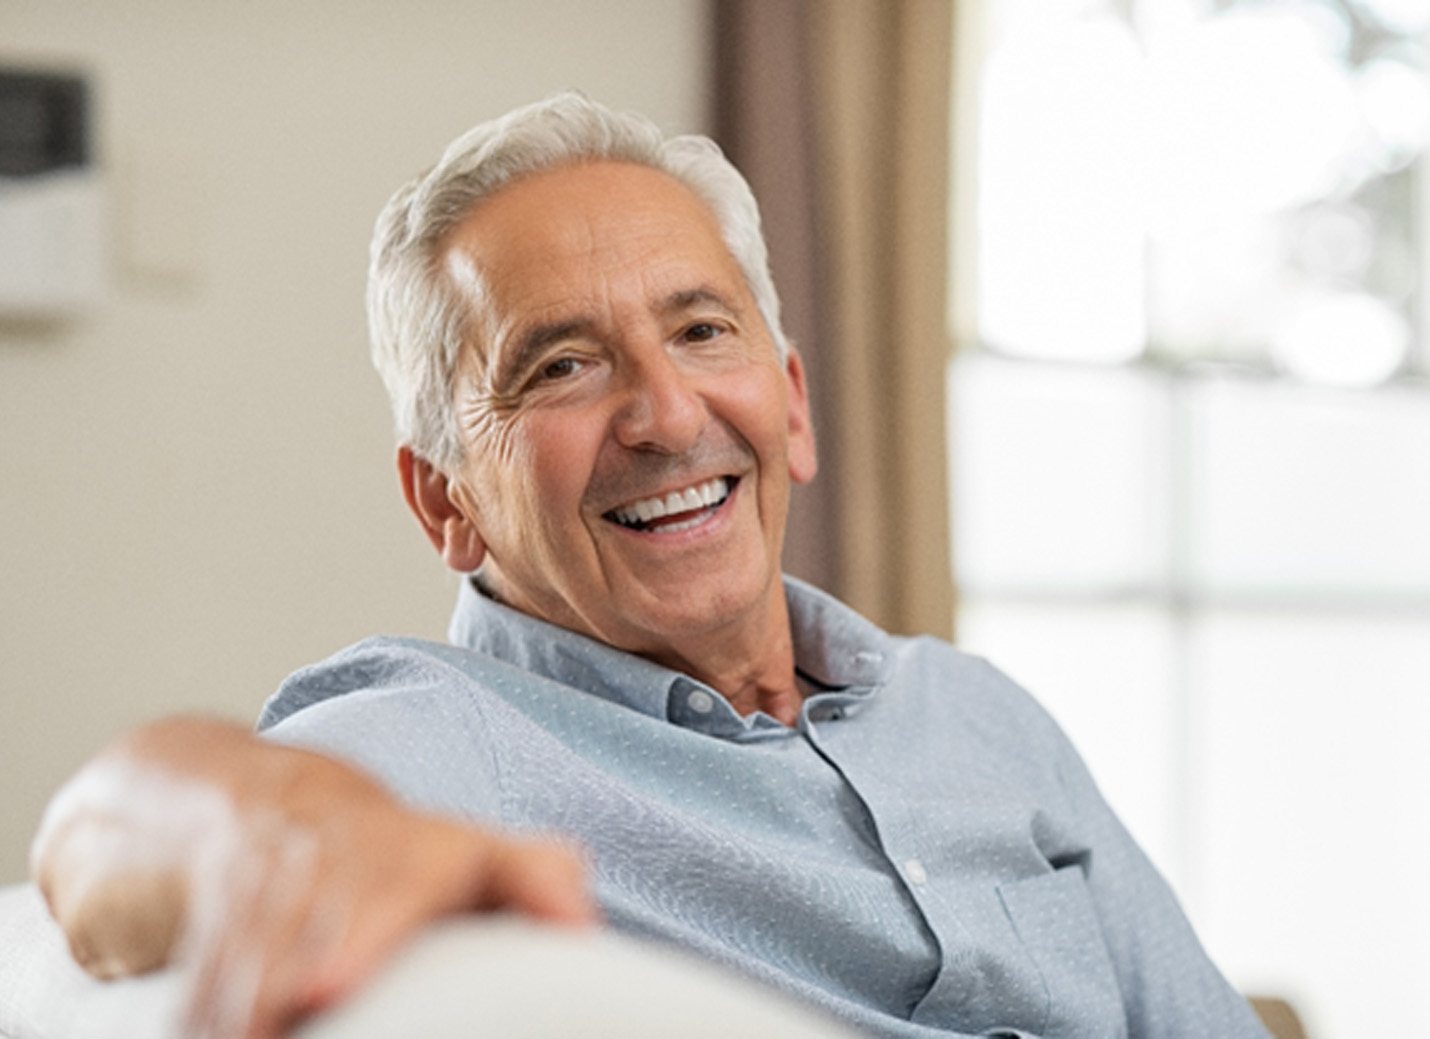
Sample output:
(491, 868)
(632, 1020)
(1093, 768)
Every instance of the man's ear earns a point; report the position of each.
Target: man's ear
(430, 495)
(803, 457)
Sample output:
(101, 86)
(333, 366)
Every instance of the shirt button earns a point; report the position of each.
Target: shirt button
(914, 870)
(700, 701)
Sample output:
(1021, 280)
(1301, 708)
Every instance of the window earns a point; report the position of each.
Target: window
(1190, 432)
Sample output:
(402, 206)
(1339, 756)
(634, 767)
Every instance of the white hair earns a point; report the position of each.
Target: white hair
(419, 320)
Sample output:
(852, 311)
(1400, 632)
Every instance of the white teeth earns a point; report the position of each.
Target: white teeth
(700, 496)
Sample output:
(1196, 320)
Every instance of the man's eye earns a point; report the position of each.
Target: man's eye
(561, 368)
(701, 332)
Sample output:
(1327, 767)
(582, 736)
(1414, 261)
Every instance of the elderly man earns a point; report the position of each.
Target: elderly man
(599, 422)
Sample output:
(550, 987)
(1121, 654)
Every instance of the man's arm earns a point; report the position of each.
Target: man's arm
(281, 877)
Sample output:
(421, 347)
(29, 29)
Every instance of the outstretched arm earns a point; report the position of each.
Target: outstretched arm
(281, 878)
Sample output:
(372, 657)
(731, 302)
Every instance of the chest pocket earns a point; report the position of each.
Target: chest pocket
(1055, 921)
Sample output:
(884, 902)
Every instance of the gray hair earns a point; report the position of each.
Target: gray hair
(418, 319)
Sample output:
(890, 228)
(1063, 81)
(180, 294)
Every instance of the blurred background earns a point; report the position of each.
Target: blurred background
(1116, 316)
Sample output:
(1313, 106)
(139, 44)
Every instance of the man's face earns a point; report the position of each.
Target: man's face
(630, 431)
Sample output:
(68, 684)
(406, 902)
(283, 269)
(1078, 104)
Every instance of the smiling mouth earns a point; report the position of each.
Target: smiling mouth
(676, 511)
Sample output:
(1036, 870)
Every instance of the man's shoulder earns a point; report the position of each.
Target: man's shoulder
(381, 665)
(952, 680)
(934, 659)
(419, 716)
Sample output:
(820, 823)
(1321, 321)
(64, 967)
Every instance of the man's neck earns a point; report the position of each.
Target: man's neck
(755, 671)
(749, 660)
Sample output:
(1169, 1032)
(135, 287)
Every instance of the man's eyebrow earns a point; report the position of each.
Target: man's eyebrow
(685, 299)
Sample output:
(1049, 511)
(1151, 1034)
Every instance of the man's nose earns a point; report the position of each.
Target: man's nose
(660, 408)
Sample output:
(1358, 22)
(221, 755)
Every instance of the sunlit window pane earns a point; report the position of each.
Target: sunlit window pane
(1060, 477)
(1341, 339)
(1410, 17)
(1252, 112)
(1396, 100)
(1280, 150)
(1309, 493)
(1233, 181)
(1061, 245)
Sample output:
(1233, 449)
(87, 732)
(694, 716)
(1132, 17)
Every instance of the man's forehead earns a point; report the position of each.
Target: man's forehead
(555, 243)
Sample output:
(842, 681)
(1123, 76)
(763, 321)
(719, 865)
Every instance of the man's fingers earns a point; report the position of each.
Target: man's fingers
(539, 878)
(542, 879)
(473, 869)
(120, 909)
(252, 947)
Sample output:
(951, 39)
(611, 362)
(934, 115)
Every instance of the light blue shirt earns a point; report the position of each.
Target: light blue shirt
(922, 854)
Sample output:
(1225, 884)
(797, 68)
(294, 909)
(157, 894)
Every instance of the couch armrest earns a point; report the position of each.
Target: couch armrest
(512, 977)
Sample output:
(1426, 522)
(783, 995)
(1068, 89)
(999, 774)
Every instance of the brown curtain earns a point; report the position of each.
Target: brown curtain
(838, 112)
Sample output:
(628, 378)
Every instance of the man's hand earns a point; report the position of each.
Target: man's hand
(281, 879)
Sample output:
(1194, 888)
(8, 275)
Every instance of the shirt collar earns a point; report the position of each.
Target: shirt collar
(835, 649)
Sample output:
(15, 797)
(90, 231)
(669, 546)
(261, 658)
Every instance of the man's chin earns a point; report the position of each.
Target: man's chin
(700, 604)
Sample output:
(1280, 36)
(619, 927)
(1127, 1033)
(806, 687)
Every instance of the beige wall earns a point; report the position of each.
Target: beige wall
(196, 492)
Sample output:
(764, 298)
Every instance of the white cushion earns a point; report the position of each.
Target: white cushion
(467, 977)
(45, 995)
